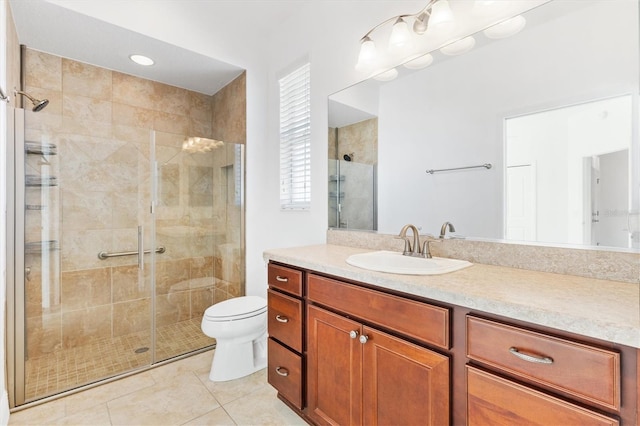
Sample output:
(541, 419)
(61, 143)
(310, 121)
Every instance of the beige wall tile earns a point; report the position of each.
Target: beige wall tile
(86, 288)
(200, 106)
(172, 276)
(172, 308)
(134, 91)
(44, 334)
(43, 70)
(171, 123)
(173, 100)
(133, 116)
(201, 267)
(126, 285)
(85, 209)
(86, 80)
(130, 317)
(201, 299)
(85, 325)
(230, 112)
(361, 139)
(83, 108)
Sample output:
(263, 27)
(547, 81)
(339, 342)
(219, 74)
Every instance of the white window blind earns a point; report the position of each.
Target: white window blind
(295, 140)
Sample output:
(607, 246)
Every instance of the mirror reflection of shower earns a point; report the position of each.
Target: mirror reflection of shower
(353, 157)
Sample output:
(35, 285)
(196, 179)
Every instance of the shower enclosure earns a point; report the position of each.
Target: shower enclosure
(123, 237)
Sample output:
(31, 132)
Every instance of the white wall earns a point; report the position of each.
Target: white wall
(451, 114)
(4, 401)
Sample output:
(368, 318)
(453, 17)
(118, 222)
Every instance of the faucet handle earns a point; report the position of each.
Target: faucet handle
(426, 252)
(407, 244)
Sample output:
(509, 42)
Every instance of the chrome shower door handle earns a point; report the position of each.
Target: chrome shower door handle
(141, 248)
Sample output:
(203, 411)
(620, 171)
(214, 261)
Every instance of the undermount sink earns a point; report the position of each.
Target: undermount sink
(396, 263)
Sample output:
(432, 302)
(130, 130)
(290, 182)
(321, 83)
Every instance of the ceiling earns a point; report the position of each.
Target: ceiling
(48, 27)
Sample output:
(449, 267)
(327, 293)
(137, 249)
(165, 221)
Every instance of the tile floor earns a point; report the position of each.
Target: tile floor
(178, 393)
(70, 368)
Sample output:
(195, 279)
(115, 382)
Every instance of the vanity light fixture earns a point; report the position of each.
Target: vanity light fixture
(436, 13)
(419, 62)
(506, 28)
(142, 60)
(459, 47)
(387, 75)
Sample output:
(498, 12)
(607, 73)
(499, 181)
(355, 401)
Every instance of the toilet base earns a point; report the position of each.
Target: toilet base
(232, 360)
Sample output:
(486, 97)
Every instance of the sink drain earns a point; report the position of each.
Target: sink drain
(141, 350)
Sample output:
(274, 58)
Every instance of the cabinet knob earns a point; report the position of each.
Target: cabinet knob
(353, 334)
(282, 371)
(281, 279)
(364, 338)
(280, 318)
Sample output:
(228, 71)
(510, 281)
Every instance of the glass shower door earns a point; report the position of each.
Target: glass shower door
(86, 296)
(198, 218)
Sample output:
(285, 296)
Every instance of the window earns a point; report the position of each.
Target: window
(295, 140)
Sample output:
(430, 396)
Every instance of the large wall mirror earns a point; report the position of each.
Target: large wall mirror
(551, 111)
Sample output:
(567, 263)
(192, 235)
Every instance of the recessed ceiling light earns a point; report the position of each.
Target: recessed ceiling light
(141, 60)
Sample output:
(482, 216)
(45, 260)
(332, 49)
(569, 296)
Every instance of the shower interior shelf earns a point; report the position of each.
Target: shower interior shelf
(38, 247)
(35, 180)
(336, 178)
(41, 148)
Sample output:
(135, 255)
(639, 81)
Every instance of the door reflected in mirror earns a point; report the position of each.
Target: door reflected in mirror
(580, 193)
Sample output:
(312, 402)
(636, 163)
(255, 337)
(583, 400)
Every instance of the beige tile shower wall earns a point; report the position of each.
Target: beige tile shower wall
(230, 112)
(100, 121)
(361, 139)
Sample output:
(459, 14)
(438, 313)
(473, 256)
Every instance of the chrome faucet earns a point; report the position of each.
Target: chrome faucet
(415, 249)
(443, 230)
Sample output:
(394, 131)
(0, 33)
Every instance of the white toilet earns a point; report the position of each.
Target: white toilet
(239, 326)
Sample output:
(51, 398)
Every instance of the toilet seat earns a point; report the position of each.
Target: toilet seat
(236, 309)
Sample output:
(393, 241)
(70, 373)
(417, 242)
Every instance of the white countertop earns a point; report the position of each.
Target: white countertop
(607, 310)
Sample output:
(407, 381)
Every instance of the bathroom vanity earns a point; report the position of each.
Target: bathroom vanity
(483, 345)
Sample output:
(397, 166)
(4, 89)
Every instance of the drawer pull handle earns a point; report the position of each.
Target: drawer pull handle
(281, 279)
(282, 371)
(280, 318)
(353, 334)
(364, 338)
(531, 358)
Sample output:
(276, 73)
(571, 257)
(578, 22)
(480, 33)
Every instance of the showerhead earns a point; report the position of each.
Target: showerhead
(348, 157)
(38, 104)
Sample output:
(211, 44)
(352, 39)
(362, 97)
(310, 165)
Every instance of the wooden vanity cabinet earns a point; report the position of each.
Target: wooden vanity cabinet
(530, 377)
(357, 374)
(285, 327)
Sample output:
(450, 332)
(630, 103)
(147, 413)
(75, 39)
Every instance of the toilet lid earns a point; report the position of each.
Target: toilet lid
(236, 308)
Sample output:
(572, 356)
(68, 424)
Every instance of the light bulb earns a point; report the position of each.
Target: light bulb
(367, 55)
(506, 28)
(459, 47)
(420, 25)
(441, 16)
(400, 34)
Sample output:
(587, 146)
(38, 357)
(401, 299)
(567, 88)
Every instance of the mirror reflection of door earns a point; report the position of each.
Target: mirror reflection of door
(609, 189)
(521, 203)
(587, 198)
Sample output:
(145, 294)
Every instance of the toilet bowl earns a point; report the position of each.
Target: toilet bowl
(239, 326)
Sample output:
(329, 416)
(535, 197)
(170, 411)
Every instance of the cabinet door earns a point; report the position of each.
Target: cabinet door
(334, 369)
(403, 383)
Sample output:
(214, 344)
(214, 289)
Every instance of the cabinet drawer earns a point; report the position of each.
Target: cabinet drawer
(285, 319)
(497, 401)
(286, 279)
(427, 323)
(575, 369)
(285, 372)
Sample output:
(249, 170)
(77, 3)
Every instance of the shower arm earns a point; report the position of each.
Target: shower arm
(3, 97)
